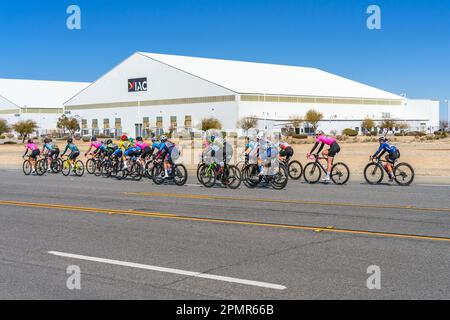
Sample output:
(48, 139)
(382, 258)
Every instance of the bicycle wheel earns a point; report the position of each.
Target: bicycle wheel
(250, 176)
(404, 174)
(199, 169)
(27, 167)
(233, 177)
(91, 166)
(312, 173)
(280, 180)
(106, 169)
(55, 166)
(373, 173)
(148, 169)
(207, 176)
(41, 167)
(157, 173)
(295, 170)
(79, 168)
(98, 167)
(136, 171)
(66, 168)
(340, 173)
(180, 174)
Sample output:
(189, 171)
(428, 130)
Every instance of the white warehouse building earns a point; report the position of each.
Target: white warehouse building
(155, 92)
(41, 101)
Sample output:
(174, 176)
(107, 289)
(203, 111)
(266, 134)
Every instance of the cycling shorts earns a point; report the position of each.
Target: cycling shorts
(334, 149)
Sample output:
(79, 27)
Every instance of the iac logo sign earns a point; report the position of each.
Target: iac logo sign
(136, 85)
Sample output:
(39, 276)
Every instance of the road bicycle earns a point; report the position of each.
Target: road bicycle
(229, 175)
(134, 170)
(340, 173)
(252, 177)
(178, 173)
(111, 167)
(93, 164)
(68, 166)
(375, 170)
(27, 166)
(56, 163)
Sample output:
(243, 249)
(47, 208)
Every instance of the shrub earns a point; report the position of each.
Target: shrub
(2, 137)
(210, 123)
(300, 136)
(349, 132)
(416, 134)
(10, 142)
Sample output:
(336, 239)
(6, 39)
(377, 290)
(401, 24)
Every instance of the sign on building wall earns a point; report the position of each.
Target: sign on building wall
(138, 84)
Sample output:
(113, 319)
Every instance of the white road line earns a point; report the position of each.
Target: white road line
(170, 270)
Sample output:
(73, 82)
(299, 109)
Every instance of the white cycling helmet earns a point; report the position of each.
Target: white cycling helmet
(163, 138)
(260, 135)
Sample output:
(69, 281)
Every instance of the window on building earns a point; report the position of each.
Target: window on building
(83, 123)
(173, 122)
(385, 115)
(94, 124)
(146, 127)
(105, 123)
(188, 122)
(118, 123)
(159, 122)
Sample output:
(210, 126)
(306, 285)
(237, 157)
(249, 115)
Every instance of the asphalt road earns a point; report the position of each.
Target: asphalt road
(136, 240)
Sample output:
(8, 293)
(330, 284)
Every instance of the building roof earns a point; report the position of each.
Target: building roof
(259, 78)
(38, 93)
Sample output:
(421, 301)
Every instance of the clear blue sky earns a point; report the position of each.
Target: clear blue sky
(411, 54)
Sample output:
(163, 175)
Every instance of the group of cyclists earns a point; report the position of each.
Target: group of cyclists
(261, 148)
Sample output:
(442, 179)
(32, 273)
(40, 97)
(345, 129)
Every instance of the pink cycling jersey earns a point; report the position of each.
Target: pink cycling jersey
(31, 146)
(142, 144)
(96, 144)
(326, 140)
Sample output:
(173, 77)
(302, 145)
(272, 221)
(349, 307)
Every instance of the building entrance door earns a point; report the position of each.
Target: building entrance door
(138, 129)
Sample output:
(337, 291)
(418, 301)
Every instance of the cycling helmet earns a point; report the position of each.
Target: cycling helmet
(109, 141)
(94, 138)
(123, 138)
(139, 139)
(212, 138)
(383, 139)
(319, 133)
(154, 139)
(163, 138)
(260, 135)
(70, 140)
(30, 141)
(46, 140)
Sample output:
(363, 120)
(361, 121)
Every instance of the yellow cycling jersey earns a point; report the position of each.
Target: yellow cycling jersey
(124, 145)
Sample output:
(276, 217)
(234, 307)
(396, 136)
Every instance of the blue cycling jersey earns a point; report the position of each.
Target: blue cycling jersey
(157, 145)
(386, 147)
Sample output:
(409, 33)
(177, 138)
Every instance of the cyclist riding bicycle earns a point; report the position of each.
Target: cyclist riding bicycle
(74, 151)
(391, 157)
(146, 150)
(286, 152)
(94, 145)
(329, 154)
(51, 150)
(35, 152)
(166, 149)
(131, 151)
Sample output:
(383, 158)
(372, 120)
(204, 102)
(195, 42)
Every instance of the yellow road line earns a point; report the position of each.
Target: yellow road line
(84, 209)
(263, 200)
(223, 221)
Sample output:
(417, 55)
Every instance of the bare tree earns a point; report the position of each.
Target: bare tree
(313, 118)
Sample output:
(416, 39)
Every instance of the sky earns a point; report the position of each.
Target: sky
(409, 54)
